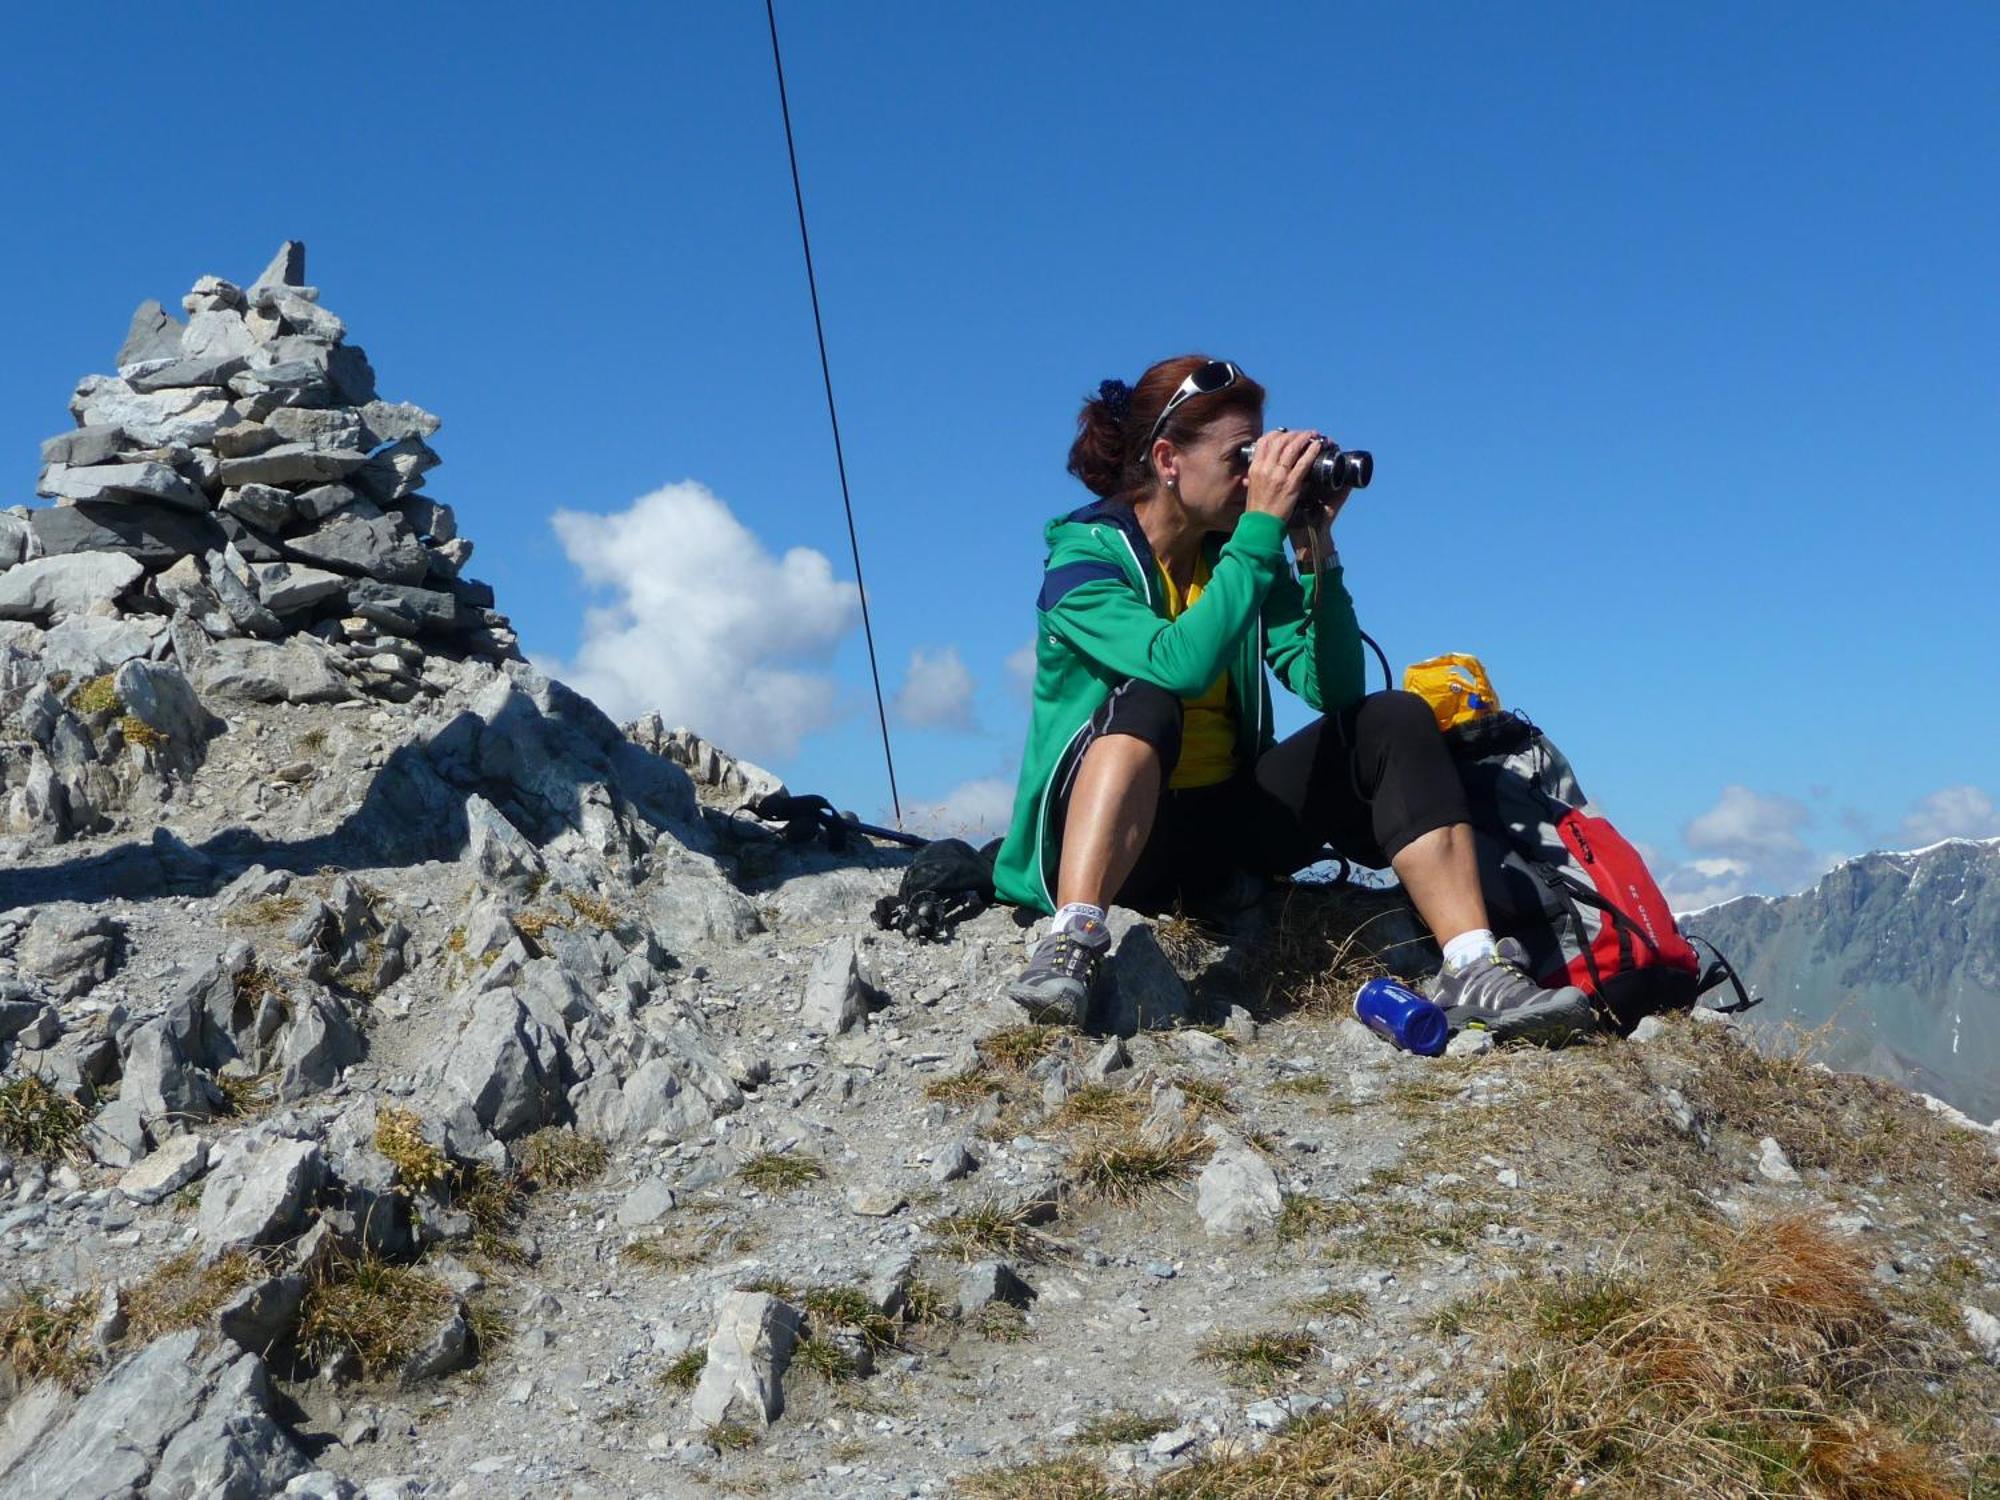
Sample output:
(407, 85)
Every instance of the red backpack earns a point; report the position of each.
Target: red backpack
(1568, 885)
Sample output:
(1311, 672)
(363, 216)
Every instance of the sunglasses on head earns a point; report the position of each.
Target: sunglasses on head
(1216, 375)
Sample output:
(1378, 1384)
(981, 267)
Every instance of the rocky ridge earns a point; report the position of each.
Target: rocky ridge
(1897, 955)
(463, 1096)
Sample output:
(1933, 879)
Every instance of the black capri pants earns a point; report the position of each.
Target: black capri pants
(1368, 780)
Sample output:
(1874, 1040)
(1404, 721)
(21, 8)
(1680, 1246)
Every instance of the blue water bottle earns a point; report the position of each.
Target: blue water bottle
(1400, 1015)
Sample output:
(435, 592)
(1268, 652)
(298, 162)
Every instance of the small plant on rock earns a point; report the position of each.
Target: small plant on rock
(992, 1229)
(180, 1293)
(1018, 1048)
(421, 1167)
(1259, 1357)
(37, 1119)
(136, 731)
(1124, 1166)
(684, 1373)
(97, 696)
(780, 1171)
(379, 1312)
(42, 1336)
(557, 1157)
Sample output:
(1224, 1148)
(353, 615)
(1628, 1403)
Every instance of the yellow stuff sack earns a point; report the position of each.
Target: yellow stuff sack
(1455, 686)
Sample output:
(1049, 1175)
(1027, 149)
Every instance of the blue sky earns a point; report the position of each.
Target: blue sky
(1673, 330)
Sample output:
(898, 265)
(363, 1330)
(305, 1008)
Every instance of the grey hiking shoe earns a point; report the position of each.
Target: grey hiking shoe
(1498, 995)
(1054, 988)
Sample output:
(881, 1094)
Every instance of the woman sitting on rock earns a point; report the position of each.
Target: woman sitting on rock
(1151, 771)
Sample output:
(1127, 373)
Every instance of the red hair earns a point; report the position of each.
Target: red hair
(1111, 455)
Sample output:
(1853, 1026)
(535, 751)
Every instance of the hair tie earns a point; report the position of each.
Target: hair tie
(1117, 398)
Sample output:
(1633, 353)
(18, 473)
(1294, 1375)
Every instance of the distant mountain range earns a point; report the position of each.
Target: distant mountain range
(1900, 951)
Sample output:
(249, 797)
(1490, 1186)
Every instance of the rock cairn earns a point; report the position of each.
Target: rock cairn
(238, 509)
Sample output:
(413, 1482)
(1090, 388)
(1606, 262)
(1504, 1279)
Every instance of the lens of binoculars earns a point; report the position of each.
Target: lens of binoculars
(1334, 469)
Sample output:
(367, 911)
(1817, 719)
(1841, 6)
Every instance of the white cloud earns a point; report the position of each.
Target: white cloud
(1704, 882)
(975, 811)
(1955, 812)
(1749, 825)
(936, 691)
(1748, 842)
(703, 623)
(1021, 669)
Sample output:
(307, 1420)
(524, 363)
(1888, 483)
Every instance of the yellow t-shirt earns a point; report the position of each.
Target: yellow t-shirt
(1208, 730)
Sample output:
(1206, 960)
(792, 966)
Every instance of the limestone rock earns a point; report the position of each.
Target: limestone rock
(155, 334)
(57, 586)
(1237, 1193)
(177, 1163)
(85, 646)
(270, 672)
(292, 463)
(156, 536)
(285, 588)
(256, 1194)
(501, 1064)
(139, 481)
(381, 547)
(836, 994)
(73, 951)
(747, 1357)
(992, 1281)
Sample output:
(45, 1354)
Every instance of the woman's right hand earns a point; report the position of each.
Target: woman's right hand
(1278, 471)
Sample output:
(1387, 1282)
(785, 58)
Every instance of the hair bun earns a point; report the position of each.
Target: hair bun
(1117, 398)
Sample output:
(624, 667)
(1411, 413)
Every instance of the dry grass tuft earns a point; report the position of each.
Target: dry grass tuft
(180, 1292)
(1335, 1304)
(37, 1119)
(1100, 1104)
(780, 1171)
(265, 911)
(1124, 1166)
(136, 731)
(558, 1157)
(379, 1312)
(593, 909)
(1050, 1479)
(993, 1229)
(833, 1308)
(1322, 950)
(42, 1336)
(1206, 1097)
(683, 1250)
(1114, 1429)
(1018, 1048)
(496, 1204)
(1187, 943)
(684, 1373)
(1259, 1358)
(1302, 1216)
(1842, 1122)
(1000, 1322)
(732, 1437)
(244, 1097)
(536, 925)
(821, 1356)
(969, 1087)
(98, 696)
(421, 1167)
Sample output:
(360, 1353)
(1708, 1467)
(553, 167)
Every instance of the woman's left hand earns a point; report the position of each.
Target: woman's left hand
(1322, 525)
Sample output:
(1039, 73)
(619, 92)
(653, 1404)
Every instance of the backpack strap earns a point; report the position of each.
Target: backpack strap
(1718, 970)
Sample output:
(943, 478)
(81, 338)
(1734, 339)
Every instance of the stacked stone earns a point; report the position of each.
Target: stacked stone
(237, 483)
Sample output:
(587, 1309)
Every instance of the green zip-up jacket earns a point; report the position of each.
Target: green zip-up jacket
(1103, 619)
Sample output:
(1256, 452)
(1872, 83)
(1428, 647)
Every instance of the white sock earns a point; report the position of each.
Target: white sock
(1076, 914)
(1469, 948)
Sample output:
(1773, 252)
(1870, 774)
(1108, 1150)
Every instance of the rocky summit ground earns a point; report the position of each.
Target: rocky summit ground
(412, 1084)
(467, 1103)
